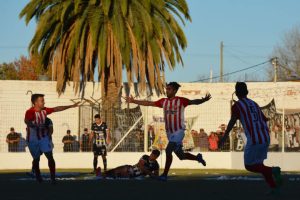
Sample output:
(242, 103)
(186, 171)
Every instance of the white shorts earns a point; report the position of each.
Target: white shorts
(255, 154)
(176, 137)
(37, 147)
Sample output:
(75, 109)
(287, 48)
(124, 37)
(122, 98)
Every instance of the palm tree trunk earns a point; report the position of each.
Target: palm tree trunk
(111, 99)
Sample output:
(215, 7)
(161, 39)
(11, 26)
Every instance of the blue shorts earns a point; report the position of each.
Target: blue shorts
(176, 137)
(37, 147)
(255, 154)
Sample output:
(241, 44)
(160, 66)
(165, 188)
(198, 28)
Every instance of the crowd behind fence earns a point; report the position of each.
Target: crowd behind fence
(203, 131)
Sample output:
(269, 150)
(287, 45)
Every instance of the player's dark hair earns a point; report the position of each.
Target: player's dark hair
(155, 152)
(34, 97)
(174, 85)
(68, 131)
(97, 116)
(241, 89)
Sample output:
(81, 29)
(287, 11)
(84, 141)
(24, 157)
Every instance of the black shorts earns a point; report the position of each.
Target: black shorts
(99, 151)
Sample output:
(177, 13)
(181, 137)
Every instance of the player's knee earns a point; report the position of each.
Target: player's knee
(49, 156)
(170, 148)
(180, 155)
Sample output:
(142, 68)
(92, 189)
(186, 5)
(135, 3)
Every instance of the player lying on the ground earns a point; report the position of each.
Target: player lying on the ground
(173, 107)
(147, 166)
(38, 137)
(258, 139)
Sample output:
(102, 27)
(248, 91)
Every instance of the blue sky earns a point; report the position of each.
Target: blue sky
(249, 29)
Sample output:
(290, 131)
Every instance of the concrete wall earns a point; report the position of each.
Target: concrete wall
(215, 160)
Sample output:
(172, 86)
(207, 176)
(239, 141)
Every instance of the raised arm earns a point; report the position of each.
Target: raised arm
(62, 108)
(139, 102)
(200, 101)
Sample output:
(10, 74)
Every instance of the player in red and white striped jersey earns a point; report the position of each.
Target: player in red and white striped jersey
(258, 139)
(38, 136)
(173, 108)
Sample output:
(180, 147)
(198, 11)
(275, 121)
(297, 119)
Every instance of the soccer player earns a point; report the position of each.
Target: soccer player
(147, 166)
(100, 138)
(254, 123)
(49, 126)
(173, 107)
(38, 137)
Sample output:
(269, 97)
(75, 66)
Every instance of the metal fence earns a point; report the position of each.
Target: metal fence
(142, 129)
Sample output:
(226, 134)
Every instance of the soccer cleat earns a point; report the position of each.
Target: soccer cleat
(163, 178)
(200, 159)
(53, 181)
(39, 179)
(276, 172)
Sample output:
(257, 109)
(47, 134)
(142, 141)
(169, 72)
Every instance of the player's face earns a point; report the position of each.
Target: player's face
(153, 157)
(40, 102)
(170, 91)
(98, 120)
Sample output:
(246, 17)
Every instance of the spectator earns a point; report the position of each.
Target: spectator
(274, 143)
(22, 144)
(84, 142)
(118, 137)
(196, 140)
(203, 140)
(213, 141)
(68, 142)
(221, 132)
(13, 140)
(289, 136)
(139, 140)
(76, 144)
(278, 134)
(151, 136)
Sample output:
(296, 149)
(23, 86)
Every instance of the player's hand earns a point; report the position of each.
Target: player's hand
(129, 99)
(207, 97)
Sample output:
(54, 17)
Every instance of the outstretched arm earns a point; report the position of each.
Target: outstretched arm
(139, 102)
(62, 108)
(229, 128)
(200, 101)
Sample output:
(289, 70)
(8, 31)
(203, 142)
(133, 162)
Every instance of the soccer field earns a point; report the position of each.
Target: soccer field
(182, 184)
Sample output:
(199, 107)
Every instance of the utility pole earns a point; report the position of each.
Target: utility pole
(274, 62)
(211, 75)
(221, 62)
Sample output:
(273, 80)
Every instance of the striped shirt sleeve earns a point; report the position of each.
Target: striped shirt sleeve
(159, 103)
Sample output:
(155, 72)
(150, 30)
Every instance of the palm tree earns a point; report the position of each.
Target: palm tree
(83, 37)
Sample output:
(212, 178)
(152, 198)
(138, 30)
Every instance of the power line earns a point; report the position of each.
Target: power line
(234, 72)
